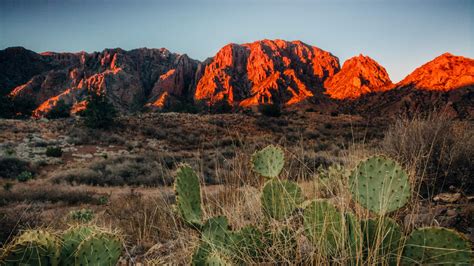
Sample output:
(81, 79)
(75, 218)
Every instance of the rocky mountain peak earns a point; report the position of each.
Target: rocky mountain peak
(264, 72)
(445, 72)
(359, 75)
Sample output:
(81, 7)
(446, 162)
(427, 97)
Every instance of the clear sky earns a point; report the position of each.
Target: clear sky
(400, 35)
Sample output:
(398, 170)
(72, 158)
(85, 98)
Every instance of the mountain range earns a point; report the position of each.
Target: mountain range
(239, 75)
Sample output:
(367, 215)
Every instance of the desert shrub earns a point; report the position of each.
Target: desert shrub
(24, 176)
(82, 215)
(48, 193)
(22, 106)
(54, 152)
(11, 167)
(439, 149)
(118, 171)
(221, 107)
(271, 109)
(181, 107)
(16, 218)
(144, 220)
(61, 110)
(6, 107)
(8, 186)
(99, 112)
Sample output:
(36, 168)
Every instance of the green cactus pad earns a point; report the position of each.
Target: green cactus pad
(382, 237)
(33, 247)
(323, 225)
(269, 161)
(201, 253)
(215, 231)
(216, 259)
(380, 185)
(99, 249)
(354, 238)
(280, 198)
(247, 242)
(72, 238)
(436, 245)
(188, 195)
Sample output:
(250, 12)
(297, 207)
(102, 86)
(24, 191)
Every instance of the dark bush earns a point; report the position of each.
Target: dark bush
(181, 107)
(221, 107)
(99, 112)
(6, 107)
(24, 176)
(61, 110)
(11, 167)
(54, 152)
(271, 109)
(16, 107)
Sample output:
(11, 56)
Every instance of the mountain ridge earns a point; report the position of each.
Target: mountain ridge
(240, 75)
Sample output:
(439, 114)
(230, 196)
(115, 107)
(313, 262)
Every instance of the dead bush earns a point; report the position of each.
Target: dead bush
(14, 219)
(145, 221)
(119, 171)
(441, 150)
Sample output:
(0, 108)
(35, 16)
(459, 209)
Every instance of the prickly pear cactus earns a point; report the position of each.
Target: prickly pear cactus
(33, 247)
(188, 195)
(354, 238)
(215, 231)
(382, 240)
(216, 259)
(201, 253)
(380, 185)
(71, 239)
(436, 245)
(99, 249)
(280, 198)
(323, 225)
(269, 161)
(247, 242)
(215, 237)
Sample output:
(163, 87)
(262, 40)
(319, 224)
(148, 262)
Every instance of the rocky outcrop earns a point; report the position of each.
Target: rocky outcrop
(445, 84)
(264, 72)
(18, 66)
(359, 75)
(444, 73)
(130, 79)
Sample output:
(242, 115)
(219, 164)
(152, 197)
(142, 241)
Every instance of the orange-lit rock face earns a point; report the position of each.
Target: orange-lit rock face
(264, 72)
(359, 75)
(444, 73)
(128, 78)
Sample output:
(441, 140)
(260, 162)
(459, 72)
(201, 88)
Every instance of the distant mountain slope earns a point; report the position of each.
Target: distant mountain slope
(129, 78)
(267, 71)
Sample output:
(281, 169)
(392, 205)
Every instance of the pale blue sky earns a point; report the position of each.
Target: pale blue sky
(400, 35)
